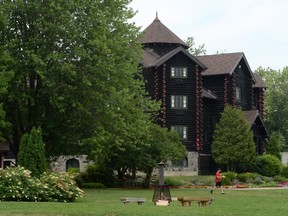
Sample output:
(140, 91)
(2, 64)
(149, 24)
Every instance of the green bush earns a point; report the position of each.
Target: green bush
(73, 170)
(268, 165)
(284, 172)
(279, 178)
(228, 178)
(269, 184)
(172, 182)
(95, 173)
(247, 177)
(17, 184)
(202, 181)
(61, 187)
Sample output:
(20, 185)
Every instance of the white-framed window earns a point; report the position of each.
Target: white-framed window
(179, 72)
(179, 102)
(181, 130)
(238, 93)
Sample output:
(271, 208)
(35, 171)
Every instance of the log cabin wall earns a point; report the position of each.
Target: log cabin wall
(258, 95)
(243, 80)
(209, 123)
(186, 87)
(217, 85)
(162, 48)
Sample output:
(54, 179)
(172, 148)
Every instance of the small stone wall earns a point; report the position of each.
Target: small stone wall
(190, 170)
(59, 164)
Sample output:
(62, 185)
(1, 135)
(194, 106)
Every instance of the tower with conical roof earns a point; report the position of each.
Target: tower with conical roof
(160, 39)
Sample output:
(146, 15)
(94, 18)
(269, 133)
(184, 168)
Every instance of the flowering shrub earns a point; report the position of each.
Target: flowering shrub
(17, 184)
(61, 187)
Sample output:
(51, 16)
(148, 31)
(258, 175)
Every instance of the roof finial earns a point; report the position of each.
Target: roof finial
(156, 19)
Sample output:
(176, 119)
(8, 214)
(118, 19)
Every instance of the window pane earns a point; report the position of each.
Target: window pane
(179, 72)
(184, 132)
(179, 101)
(238, 93)
(172, 72)
(173, 101)
(181, 130)
(184, 102)
(184, 72)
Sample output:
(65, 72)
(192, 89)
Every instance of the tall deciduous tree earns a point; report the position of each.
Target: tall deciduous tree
(276, 101)
(5, 76)
(232, 139)
(74, 65)
(75, 74)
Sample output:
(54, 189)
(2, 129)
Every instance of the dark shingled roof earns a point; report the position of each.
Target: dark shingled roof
(151, 59)
(259, 81)
(220, 64)
(157, 32)
(251, 117)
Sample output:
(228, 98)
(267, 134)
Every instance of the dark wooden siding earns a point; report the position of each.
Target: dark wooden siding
(244, 81)
(209, 123)
(162, 49)
(258, 96)
(177, 86)
(186, 87)
(216, 85)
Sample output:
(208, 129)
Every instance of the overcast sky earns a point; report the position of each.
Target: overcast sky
(259, 28)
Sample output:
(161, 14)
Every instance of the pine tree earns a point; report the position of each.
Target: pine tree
(233, 142)
(32, 153)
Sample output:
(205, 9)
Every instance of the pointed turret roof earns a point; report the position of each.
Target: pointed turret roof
(157, 32)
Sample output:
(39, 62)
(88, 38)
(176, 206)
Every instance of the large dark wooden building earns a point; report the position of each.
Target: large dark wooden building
(194, 90)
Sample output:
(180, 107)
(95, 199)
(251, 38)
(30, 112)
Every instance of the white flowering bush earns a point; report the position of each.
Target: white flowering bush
(17, 184)
(61, 187)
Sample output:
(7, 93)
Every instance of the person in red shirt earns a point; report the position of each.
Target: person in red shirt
(218, 181)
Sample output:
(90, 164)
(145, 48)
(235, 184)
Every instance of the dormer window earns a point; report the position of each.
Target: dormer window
(179, 72)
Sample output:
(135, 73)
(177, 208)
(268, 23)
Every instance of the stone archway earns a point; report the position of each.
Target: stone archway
(72, 163)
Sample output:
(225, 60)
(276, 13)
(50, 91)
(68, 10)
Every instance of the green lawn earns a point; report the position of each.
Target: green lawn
(106, 202)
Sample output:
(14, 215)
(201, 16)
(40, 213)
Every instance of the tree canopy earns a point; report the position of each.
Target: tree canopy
(233, 142)
(74, 71)
(73, 63)
(276, 101)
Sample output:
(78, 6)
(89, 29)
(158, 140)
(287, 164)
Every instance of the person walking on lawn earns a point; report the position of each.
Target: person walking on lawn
(218, 181)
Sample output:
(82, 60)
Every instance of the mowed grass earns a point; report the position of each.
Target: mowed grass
(106, 202)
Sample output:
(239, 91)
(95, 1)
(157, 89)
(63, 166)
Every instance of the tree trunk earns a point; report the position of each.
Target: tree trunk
(148, 177)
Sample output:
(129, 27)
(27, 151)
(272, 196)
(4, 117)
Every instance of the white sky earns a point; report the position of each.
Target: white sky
(259, 28)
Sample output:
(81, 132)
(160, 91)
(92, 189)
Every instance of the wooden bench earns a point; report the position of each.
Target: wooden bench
(202, 201)
(139, 201)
